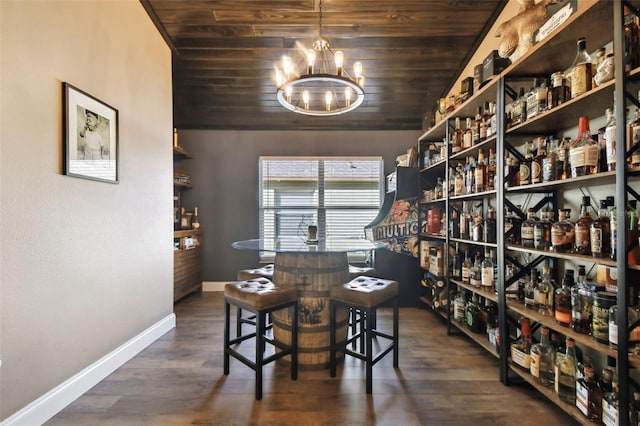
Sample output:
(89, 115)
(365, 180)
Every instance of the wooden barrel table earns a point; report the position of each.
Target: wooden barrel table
(313, 274)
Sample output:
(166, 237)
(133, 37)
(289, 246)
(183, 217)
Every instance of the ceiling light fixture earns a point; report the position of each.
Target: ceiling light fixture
(319, 92)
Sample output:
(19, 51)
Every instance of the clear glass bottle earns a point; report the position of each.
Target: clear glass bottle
(584, 151)
(583, 228)
(477, 229)
(545, 293)
(475, 276)
(493, 120)
(530, 290)
(581, 303)
(559, 92)
(458, 180)
(195, 220)
(563, 164)
(466, 268)
(525, 165)
(600, 232)
(563, 233)
(526, 230)
(581, 70)
(549, 163)
(565, 374)
(491, 170)
(542, 357)
(610, 138)
(511, 221)
(470, 171)
(486, 273)
(477, 125)
(588, 395)
(562, 300)
(456, 264)
(459, 306)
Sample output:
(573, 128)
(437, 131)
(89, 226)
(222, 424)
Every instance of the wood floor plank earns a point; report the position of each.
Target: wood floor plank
(178, 380)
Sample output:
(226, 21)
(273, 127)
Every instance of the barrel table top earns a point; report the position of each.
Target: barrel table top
(300, 245)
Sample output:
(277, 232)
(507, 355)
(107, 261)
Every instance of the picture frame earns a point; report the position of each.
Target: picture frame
(90, 137)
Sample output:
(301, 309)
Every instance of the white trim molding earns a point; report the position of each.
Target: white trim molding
(52, 402)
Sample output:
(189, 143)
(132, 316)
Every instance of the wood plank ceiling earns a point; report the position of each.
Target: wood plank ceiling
(224, 52)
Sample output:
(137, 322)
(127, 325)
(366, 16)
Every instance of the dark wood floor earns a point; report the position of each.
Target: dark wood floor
(178, 380)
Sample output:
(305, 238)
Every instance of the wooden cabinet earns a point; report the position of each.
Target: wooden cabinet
(554, 53)
(187, 255)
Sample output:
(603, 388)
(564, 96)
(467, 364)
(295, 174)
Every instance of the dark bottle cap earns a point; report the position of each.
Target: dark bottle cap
(604, 204)
(610, 201)
(586, 200)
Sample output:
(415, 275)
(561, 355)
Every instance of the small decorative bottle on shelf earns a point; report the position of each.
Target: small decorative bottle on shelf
(565, 374)
(581, 70)
(562, 300)
(584, 152)
(195, 220)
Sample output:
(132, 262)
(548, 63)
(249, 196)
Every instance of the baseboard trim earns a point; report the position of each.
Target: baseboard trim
(213, 285)
(51, 403)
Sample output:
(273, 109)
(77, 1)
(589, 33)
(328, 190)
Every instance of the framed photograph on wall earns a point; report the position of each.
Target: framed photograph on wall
(90, 136)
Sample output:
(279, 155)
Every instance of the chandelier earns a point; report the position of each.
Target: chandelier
(319, 92)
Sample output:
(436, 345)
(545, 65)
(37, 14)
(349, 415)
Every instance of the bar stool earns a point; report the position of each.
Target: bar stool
(265, 271)
(365, 294)
(355, 316)
(261, 297)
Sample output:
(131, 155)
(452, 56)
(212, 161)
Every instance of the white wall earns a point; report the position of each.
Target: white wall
(84, 266)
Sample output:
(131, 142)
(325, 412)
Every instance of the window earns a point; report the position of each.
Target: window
(339, 195)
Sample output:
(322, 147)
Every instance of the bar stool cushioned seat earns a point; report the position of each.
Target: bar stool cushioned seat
(365, 294)
(261, 297)
(355, 271)
(265, 271)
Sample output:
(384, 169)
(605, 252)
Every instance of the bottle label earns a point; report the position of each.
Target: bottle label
(466, 274)
(596, 240)
(613, 333)
(534, 365)
(610, 137)
(527, 233)
(548, 169)
(582, 238)
(524, 174)
(634, 136)
(536, 172)
(580, 79)
(577, 157)
(487, 276)
(559, 237)
(582, 398)
(609, 413)
(563, 317)
(591, 154)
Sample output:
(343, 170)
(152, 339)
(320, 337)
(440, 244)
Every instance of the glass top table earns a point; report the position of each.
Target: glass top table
(300, 245)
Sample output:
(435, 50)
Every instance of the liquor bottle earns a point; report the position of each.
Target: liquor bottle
(456, 138)
(467, 137)
(491, 171)
(466, 268)
(477, 229)
(475, 276)
(486, 121)
(511, 227)
(511, 172)
(480, 173)
(493, 120)
(537, 161)
(588, 395)
(470, 171)
(563, 167)
(526, 230)
(631, 40)
(549, 163)
(487, 273)
(454, 223)
(600, 232)
(524, 342)
(490, 231)
(581, 302)
(563, 233)
(473, 316)
(542, 230)
(464, 225)
(525, 165)
(542, 357)
(584, 151)
(565, 374)
(439, 189)
(459, 306)
(458, 180)
(633, 137)
(530, 290)
(610, 139)
(613, 229)
(581, 73)
(545, 293)
(610, 402)
(195, 220)
(559, 92)
(583, 228)
(517, 107)
(477, 127)
(562, 300)
(456, 266)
